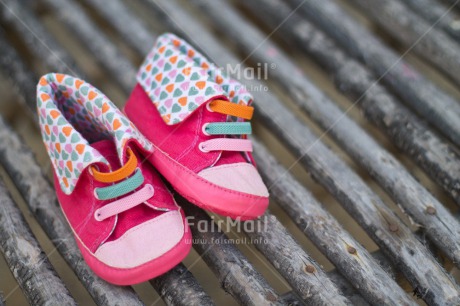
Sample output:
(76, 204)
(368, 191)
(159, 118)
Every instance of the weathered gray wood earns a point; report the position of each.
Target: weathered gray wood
(26, 260)
(395, 239)
(303, 274)
(236, 274)
(436, 106)
(434, 155)
(435, 12)
(179, 287)
(291, 299)
(19, 16)
(455, 2)
(289, 258)
(412, 31)
(14, 68)
(101, 292)
(2, 300)
(72, 15)
(325, 232)
(130, 26)
(444, 229)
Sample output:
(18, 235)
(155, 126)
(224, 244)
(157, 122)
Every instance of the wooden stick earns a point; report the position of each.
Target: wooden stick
(294, 264)
(100, 46)
(37, 38)
(438, 158)
(435, 12)
(326, 233)
(455, 2)
(413, 32)
(128, 25)
(392, 176)
(238, 276)
(424, 97)
(179, 287)
(25, 258)
(394, 238)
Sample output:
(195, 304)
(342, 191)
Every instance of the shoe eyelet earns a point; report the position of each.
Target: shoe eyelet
(90, 169)
(208, 107)
(97, 216)
(201, 147)
(95, 194)
(203, 129)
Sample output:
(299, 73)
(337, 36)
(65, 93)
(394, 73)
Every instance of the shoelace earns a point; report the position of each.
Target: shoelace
(124, 182)
(228, 128)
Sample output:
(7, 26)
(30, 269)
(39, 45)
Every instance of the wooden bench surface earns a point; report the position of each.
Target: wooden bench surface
(360, 95)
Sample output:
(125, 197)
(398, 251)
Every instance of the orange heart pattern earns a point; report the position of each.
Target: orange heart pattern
(72, 114)
(178, 79)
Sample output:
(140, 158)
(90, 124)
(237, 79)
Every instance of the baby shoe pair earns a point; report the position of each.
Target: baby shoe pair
(187, 122)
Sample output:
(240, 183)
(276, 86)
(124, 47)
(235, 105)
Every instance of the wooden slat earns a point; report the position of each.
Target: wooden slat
(304, 275)
(35, 36)
(438, 158)
(13, 67)
(296, 266)
(365, 151)
(235, 273)
(393, 237)
(179, 287)
(436, 47)
(436, 106)
(291, 299)
(454, 2)
(434, 11)
(26, 260)
(128, 25)
(327, 234)
(100, 46)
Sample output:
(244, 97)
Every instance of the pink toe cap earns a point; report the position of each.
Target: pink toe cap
(143, 243)
(242, 177)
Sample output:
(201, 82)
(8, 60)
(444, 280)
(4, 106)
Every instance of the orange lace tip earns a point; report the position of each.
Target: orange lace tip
(232, 109)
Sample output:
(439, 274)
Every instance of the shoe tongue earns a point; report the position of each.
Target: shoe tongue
(109, 151)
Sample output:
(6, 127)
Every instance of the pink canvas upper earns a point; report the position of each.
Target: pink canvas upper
(169, 106)
(82, 129)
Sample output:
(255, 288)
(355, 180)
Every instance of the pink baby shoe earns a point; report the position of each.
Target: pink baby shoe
(194, 115)
(125, 221)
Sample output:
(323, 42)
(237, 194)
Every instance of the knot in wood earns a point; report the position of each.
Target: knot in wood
(351, 250)
(430, 210)
(310, 269)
